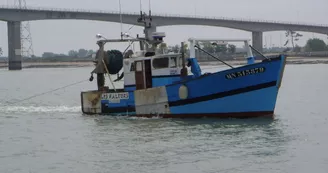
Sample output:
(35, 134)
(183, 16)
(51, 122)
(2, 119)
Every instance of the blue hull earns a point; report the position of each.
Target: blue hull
(243, 92)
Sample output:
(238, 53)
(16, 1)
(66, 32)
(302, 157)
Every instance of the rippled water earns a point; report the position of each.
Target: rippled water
(49, 134)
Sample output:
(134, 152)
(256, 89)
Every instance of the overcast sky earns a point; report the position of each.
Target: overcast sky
(60, 36)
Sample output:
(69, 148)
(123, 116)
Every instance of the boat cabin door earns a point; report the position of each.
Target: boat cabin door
(143, 74)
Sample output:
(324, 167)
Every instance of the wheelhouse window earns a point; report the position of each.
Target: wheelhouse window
(139, 66)
(173, 62)
(132, 67)
(179, 61)
(161, 62)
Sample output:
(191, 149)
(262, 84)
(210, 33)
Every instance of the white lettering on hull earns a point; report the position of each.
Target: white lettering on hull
(115, 97)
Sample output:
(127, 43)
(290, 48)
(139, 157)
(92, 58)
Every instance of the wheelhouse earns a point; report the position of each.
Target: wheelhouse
(146, 72)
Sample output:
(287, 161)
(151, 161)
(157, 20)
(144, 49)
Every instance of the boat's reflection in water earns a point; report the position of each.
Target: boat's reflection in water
(253, 136)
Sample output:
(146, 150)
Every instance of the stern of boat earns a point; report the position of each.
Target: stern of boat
(91, 102)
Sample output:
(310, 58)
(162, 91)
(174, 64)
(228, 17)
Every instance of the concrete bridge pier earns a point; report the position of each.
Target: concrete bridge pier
(14, 45)
(257, 38)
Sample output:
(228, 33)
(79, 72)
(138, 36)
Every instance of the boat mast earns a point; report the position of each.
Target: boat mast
(151, 41)
(148, 43)
(121, 20)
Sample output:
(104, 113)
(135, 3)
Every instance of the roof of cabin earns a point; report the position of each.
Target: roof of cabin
(155, 56)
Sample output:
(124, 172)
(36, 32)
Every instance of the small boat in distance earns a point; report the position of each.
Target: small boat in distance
(158, 85)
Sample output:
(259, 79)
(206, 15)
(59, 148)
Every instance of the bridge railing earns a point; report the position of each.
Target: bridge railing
(163, 15)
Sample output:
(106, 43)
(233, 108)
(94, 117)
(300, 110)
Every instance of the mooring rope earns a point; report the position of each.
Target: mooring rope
(40, 94)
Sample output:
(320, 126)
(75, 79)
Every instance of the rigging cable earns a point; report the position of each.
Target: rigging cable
(40, 94)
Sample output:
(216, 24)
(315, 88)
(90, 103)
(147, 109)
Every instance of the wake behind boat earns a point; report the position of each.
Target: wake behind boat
(159, 84)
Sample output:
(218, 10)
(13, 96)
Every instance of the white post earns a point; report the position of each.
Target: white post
(192, 48)
(248, 49)
(250, 58)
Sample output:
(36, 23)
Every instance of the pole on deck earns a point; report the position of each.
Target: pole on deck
(184, 71)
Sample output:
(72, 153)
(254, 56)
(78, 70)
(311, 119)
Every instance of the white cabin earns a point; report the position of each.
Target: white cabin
(142, 72)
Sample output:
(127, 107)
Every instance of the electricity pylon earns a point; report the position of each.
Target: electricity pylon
(26, 37)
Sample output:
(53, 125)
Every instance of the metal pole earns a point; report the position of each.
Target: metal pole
(119, 1)
(184, 71)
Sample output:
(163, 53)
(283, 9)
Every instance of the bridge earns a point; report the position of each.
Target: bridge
(14, 16)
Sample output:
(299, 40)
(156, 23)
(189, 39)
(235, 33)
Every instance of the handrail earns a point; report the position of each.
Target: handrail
(163, 15)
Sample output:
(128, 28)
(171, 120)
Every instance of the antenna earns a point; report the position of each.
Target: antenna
(119, 1)
(150, 11)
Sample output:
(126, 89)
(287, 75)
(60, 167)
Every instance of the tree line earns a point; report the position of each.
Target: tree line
(81, 53)
(209, 47)
(162, 48)
(312, 44)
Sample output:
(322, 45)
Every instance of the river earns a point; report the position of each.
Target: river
(48, 133)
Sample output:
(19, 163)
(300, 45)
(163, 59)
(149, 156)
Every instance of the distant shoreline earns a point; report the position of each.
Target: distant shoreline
(70, 64)
(290, 60)
(65, 64)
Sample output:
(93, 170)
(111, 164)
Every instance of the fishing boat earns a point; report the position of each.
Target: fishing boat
(172, 85)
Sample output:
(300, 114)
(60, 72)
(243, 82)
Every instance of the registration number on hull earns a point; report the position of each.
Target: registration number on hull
(245, 73)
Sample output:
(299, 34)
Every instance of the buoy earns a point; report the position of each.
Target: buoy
(183, 92)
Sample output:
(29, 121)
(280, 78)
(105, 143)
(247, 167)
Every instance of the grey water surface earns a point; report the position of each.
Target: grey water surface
(48, 133)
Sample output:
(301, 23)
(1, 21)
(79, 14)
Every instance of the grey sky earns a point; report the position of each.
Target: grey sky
(60, 36)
